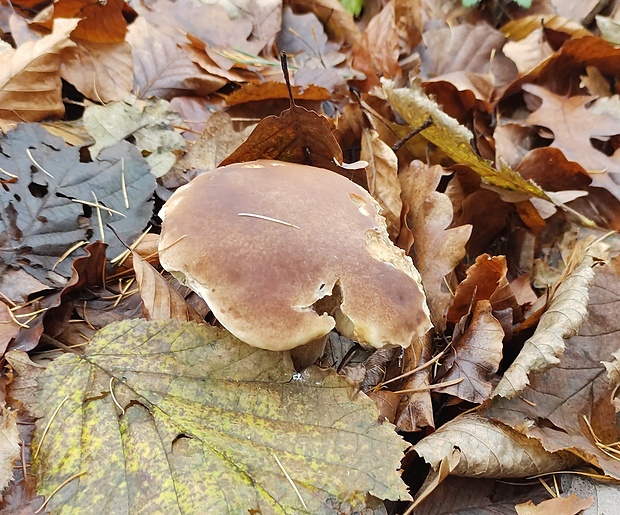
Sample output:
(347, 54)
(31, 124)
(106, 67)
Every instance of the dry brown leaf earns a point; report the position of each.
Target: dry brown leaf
(530, 51)
(469, 57)
(218, 140)
(380, 39)
(160, 301)
(437, 249)
(475, 357)
(273, 90)
(520, 29)
(571, 505)
(30, 85)
(10, 449)
(561, 404)
(565, 313)
(297, 136)
(162, 67)
(415, 410)
(102, 72)
(486, 280)
(382, 178)
(574, 139)
(101, 22)
(489, 449)
(8, 328)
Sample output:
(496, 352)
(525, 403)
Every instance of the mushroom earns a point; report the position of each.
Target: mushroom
(282, 253)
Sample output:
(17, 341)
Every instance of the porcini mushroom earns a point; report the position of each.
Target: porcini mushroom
(282, 253)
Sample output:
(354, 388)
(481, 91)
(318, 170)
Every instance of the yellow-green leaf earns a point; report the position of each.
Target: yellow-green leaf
(199, 422)
(454, 139)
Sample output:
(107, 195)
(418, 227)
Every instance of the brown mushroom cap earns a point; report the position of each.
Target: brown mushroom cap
(262, 242)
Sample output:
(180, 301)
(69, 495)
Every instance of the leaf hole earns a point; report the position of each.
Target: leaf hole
(38, 190)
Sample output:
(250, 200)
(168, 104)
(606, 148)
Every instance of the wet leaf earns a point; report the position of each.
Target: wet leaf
(204, 411)
(10, 448)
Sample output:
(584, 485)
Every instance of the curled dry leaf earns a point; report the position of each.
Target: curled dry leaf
(489, 449)
(566, 312)
(436, 249)
(571, 406)
(30, 85)
(160, 301)
(486, 280)
(475, 357)
(382, 178)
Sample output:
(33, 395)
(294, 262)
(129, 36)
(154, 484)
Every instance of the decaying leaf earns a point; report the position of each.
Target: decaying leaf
(570, 505)
(159, 300)
(565, 313)
(10, 449)
(224, 428)
(53, 203)
(382, 178)
(30, 85)
(488, 449)
(588, 123)
(436, 249)
(473, 446)
(475, 356)
(150, 122)
(455, 139)
(297, 135)
(571, 406)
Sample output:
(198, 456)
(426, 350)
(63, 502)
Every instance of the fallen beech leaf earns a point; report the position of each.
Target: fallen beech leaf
(529, 52)
(475, 357)
(574, 139)
(221, 425)
(486, 280)
(102, 72)
(30, 85)
(160, 301)
(217, 141)
(468, 56)
(100, 22)
(565, 313)
(455, 140)
(436, 249)
(162, 67)
(382, 178)
(571, 505)
(518, 30)
(297, 135)
(489, 449)
(561, 404)
(272, 90)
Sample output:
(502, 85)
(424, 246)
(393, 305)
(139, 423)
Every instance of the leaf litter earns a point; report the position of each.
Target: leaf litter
(516, 170)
